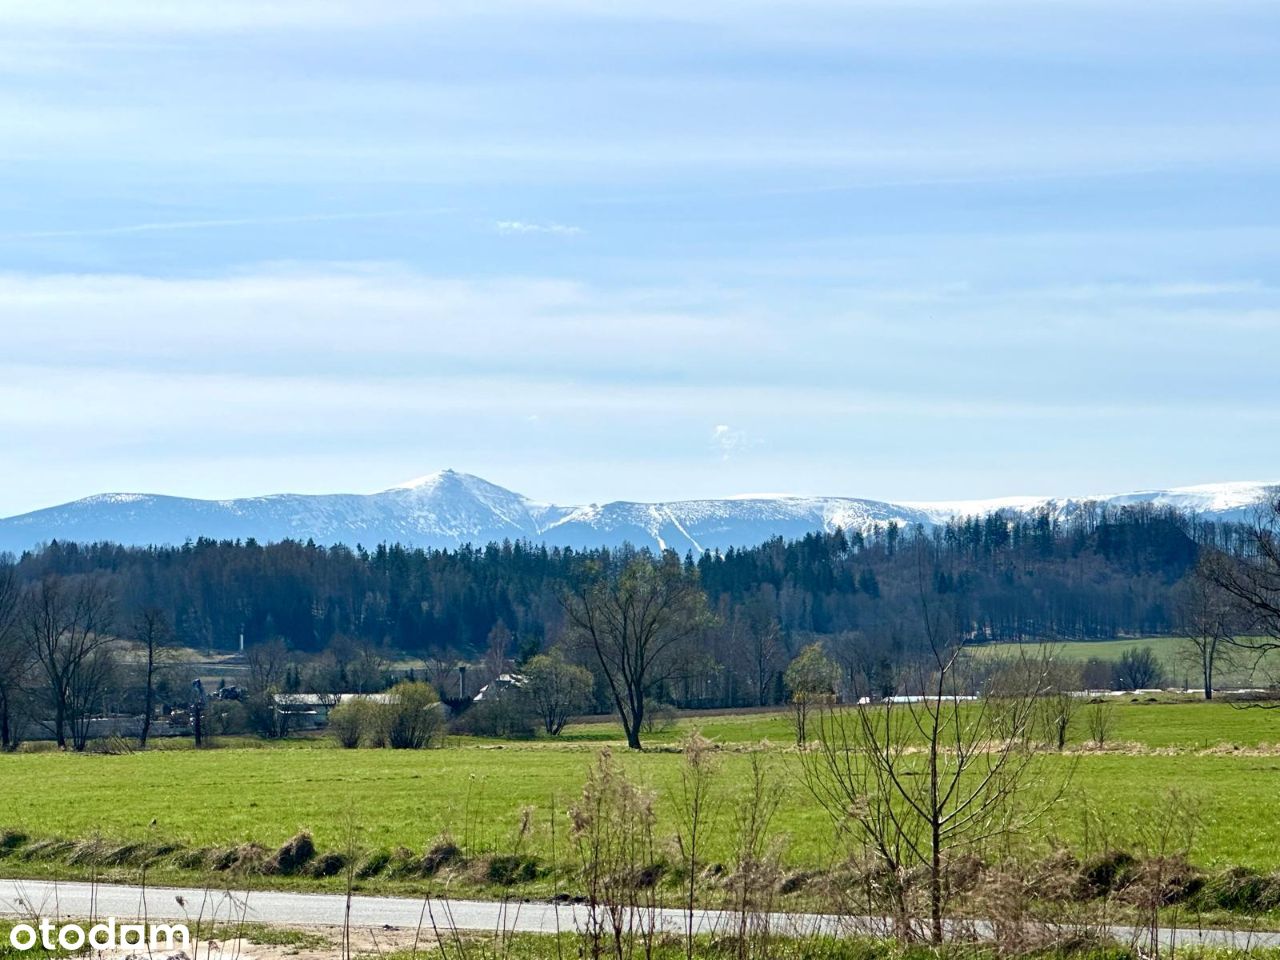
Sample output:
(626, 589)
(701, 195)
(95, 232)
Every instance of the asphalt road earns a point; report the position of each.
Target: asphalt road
(54, 900)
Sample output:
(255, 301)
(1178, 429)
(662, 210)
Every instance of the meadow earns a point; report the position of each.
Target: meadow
(1219, 761)
(1238, 669)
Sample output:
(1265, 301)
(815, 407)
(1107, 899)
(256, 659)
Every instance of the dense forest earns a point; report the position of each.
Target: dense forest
(1099, 574)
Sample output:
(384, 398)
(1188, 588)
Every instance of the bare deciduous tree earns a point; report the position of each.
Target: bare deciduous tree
(757, 855)
(637, 622)
(154, 635)
(1099, 716)
(1058, 702)
(697, 806)
(268, 665)
(1209, 619)
(926, 777)
(760, 636)
(66, 625)
(1251, 577)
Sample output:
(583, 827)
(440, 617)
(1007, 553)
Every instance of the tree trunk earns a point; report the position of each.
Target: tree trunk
(633, 727)
(935, 884)
(60, 723)
(150, 702)
(935, 828)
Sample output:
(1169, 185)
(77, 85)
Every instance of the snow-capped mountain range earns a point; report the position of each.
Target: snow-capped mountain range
(449, 508)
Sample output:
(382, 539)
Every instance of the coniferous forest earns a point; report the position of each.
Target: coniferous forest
(1101, 573)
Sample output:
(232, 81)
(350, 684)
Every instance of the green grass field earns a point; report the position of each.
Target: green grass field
(1240, 670)
(1212, 754)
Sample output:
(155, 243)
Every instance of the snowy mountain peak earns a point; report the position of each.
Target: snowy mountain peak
(448, 508)
(431, 480)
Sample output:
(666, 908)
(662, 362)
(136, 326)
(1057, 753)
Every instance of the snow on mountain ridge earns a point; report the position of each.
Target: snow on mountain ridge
(448, 508)
(1199, 498)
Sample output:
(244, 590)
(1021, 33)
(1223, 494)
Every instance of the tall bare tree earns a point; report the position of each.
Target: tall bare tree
(268, 666)
(1209, 619)
(766, 654)
(66, 624)
(152, 632)
(1250, 576)
(638, 622)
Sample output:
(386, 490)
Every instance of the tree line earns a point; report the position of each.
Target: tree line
(718, 630)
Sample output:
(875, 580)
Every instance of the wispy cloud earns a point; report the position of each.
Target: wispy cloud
(165, 226)
(727, 441)
(524, 226)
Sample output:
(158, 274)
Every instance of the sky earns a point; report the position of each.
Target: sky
(899, 249)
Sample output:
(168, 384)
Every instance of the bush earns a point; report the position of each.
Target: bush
(225, 718)
(556, 689)
(412, 718)
(508, 713)
(349, 722)
(659, 717)
(1097, 674)
(10, 840)
(1138, 669)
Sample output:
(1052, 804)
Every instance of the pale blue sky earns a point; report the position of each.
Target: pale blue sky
(643, 250)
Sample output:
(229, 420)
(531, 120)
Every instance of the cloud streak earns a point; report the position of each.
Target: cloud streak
(166, 226)
(521, 227)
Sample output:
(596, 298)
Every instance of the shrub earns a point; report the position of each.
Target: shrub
(508, 713)
(349, 722)
(225, 718)
(659, 717)
(402, 862)
(556, 689)
(1138, 669)
(412, 718)
(247, 856)
(1097, 674)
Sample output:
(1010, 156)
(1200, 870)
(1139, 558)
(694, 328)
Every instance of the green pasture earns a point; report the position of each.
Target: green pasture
(1212, 757)
(1239, 668)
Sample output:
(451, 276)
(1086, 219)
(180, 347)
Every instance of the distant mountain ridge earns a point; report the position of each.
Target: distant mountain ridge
(447, 509)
